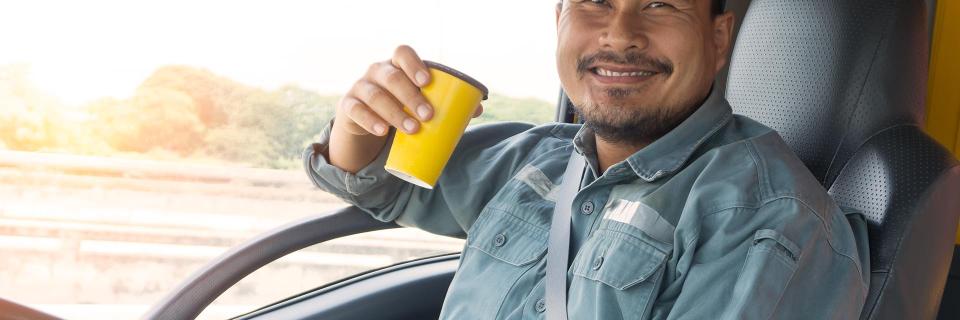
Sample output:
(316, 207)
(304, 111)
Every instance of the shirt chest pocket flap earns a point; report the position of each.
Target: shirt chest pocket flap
(619, 260)
(507, 238)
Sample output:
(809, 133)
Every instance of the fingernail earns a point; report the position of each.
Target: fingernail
(423, 111)
(410, 125)
(379, 128)
(423, 78)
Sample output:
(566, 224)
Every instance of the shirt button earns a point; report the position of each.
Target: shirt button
(597, 263)
(541, 306)
(499, 240)
(587, 207)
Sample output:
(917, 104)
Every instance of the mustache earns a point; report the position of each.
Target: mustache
(632, 58)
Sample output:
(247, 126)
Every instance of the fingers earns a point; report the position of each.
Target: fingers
(385, 106)
(360, 116)
(377, 100)
(405, 58)
(378, 120)
(396, 82)
(478, 112)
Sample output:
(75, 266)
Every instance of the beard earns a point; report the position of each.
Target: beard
(632, 125)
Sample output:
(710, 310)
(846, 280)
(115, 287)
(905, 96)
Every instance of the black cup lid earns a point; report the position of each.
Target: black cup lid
(458, 74)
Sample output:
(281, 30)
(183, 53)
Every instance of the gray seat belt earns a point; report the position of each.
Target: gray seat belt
(559, 250)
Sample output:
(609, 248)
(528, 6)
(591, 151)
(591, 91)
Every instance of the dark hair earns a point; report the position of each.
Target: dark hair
(717, 6)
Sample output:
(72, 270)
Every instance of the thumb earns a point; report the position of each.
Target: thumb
(478, 112)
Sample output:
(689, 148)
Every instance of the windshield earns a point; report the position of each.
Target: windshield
(139, 140)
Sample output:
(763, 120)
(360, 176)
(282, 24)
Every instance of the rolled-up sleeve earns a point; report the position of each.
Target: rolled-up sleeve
(360, 189)
(481, 164)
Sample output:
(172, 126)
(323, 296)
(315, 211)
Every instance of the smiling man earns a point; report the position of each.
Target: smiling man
(685, 211)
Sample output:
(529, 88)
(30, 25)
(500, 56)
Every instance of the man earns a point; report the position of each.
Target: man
(686, 211)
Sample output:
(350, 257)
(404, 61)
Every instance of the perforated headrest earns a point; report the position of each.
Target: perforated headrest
(828, 74)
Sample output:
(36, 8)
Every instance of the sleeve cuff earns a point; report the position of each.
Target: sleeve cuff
(345, 185)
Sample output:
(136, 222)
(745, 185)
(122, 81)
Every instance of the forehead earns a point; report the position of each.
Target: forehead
(702, 2)
(708, 5)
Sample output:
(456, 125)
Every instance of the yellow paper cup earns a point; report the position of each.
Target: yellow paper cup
(419, 158)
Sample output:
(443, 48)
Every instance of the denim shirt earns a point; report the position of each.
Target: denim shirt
(716, 219)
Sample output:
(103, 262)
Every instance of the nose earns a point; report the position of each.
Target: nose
(624, 32)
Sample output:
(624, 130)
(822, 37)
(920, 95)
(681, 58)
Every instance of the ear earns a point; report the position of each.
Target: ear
(723, 38)
(559, 8)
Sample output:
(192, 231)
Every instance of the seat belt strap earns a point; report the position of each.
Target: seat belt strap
(558, 252)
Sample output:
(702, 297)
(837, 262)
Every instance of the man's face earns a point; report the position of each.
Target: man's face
(635, 69)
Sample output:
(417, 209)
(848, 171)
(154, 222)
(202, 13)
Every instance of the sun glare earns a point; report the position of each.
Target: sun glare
(140, 139)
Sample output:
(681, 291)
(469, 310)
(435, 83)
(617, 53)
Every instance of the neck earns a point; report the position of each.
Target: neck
(609, 153)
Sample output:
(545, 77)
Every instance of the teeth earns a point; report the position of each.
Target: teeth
(608, 73)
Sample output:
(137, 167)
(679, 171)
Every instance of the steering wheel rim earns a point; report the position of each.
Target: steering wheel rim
(205, 285)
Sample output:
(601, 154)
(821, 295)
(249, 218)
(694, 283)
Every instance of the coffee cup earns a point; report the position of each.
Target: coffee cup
(420, 158)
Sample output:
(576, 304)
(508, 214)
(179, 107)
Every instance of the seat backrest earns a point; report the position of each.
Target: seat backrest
(844, 83)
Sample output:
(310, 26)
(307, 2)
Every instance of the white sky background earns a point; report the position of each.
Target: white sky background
(83, 50)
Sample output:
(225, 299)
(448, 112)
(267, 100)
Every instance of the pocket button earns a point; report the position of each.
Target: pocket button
(500, 240)
(541, 306)
(597, 263)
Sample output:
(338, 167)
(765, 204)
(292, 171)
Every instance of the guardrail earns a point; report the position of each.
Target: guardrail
(100, 225)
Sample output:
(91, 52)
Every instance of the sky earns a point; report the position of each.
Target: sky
(83, 50)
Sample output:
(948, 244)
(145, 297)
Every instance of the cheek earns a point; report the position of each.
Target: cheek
(571, 45)
(576, 35)
(691, 59)
(565, 70)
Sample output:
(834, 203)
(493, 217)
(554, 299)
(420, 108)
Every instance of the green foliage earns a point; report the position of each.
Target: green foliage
(187, 112)
(288, 117)
(153, 118)
(214, 97)
(194, 112)
(502, 108)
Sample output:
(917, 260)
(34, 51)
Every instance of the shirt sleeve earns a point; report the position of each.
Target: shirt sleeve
(484, 160)
(793, 265)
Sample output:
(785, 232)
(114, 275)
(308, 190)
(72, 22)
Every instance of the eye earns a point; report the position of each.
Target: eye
(657, 4)
(595, 3)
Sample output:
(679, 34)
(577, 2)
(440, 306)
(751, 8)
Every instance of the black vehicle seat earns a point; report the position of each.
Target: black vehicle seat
(844, 83)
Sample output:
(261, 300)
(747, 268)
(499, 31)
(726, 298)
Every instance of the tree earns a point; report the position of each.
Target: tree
(152, 118)
(192, 112)
(214, 97)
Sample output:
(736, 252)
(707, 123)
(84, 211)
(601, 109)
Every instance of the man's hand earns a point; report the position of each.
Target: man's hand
(376, 101)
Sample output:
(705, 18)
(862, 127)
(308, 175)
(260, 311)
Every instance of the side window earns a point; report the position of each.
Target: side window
(139, 140)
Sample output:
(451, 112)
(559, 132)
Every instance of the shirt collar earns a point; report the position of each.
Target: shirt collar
(669, 153)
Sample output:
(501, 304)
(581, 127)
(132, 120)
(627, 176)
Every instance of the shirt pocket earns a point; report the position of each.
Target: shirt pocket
(508, 238)
(498, 267)
(616, 275)
(767, 270)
